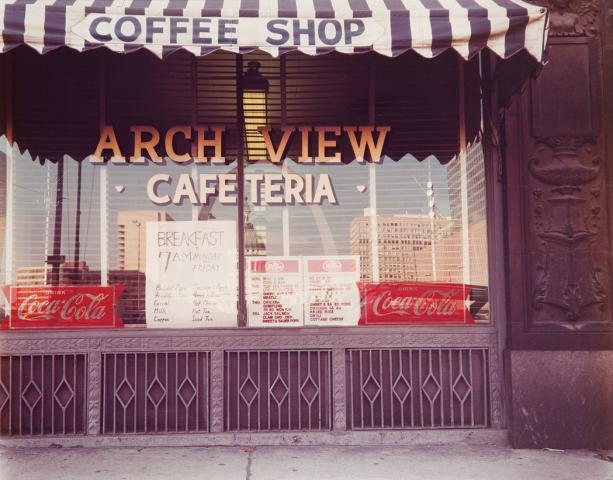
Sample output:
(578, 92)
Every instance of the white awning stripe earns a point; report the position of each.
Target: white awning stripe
(389, 27)
(421, 27)
(499, 24)
(34, 33)
(460, 29)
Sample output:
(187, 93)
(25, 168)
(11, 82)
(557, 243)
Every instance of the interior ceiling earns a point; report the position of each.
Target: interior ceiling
(59, 97)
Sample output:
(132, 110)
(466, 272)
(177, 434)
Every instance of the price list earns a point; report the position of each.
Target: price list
(274, 292)
(331, 290)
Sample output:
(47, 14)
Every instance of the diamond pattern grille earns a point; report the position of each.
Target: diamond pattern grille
(461, 388)
(4, 397)
(42, 394)
(31, 395)
(401, 388)
(125, 393)
(417, 388)
(431, 388)
(371, 388)
(309, 390)
(64, 394)
(248, 391)
(155, 392)
(278, 390)
(187, 392)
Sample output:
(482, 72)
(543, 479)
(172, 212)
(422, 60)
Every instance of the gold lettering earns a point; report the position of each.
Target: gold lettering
(367, 140)
(216, 143)
(170, 151)
(304, 140)
(323, 143)
(108, 141)
(149, 145)
(276, 155)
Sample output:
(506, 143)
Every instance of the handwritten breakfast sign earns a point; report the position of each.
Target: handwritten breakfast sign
(191, 274)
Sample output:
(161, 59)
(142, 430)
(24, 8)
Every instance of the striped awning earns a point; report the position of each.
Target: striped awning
(389, 27)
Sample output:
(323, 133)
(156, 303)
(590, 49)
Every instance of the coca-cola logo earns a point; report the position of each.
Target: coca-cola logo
(63, 306)
(274, 266)
(428, 303)
(391, 303)
(332, 266)
(80, 306)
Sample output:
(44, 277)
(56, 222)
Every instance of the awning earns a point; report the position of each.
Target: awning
(389, 27)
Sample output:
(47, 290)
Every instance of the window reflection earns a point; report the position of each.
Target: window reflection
(408, 228)
(411, 226)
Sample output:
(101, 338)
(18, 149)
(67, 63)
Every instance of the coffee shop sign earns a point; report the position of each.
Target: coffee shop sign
(271, 32)
(202, 144)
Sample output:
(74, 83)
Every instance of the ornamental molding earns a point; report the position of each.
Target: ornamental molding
(573, 18)
(216, 386)
(496, 393)
(568, 278)
(339, 394)
(94, 387)
(148, 341)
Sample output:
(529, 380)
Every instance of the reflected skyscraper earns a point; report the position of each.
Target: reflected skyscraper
(132, 237)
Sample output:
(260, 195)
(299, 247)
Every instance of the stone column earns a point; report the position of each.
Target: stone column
(558, 158)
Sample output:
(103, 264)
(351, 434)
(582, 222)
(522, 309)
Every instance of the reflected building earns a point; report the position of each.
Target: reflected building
(401, 241)
(449, 250)
(470, 226)
(71, 273)
(132, 237)
(255, 235)
(474, 186)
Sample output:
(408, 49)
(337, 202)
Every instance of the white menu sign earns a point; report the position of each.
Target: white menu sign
(331, 290)
(274, 291)
(191, 274)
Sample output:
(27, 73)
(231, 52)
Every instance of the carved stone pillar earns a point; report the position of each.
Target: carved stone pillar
(559, 203)
(570, 275)
(565, 228)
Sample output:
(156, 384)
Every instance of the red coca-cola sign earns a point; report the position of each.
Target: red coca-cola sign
(65, 306)
(390, 303)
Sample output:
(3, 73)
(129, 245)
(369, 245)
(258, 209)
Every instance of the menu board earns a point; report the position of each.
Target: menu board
(274, 291)
(191, 274)
(332, 295)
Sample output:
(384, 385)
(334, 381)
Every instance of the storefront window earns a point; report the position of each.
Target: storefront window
(257, 209)
(398, 226)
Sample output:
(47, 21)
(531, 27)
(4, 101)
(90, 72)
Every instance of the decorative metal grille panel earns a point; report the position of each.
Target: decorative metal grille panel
(43, 394)
(417, 388)
(155, 392)
(278, 390)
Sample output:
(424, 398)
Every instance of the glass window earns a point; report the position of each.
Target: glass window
(258, 209)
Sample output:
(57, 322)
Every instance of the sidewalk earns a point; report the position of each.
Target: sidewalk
(309, 463)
